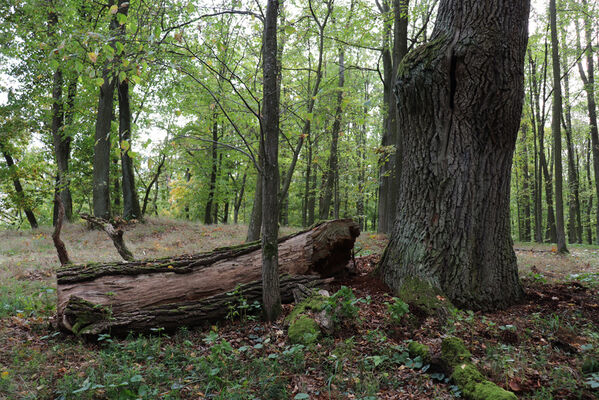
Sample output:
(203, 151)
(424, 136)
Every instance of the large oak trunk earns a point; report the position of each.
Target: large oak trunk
(192, 289)
(460, 101)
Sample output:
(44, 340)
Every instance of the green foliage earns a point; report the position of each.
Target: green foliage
(239, 308)
(343, 305)
(397, 309)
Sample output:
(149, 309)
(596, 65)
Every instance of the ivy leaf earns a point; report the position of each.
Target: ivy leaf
(119, 46)
(125, 145)
(109, 51)
(121, 18)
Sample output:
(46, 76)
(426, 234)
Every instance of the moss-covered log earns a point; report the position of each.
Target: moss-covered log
(192, 289)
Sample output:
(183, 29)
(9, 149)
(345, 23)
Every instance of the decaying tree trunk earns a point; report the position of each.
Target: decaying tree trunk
(192, 289)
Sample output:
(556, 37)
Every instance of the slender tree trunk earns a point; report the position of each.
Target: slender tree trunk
(574, 224)
(538, 177)
(101, 166)
(525, 187)
(269, 135)
(208, 210)
(255, 225)
(360, 208)
(307, 128)
(62, 142)
(131, 209)
(312, 198)
(333, 170)
(152, 182)
(394, 49)
(21, 197)
(589, 86)
(307, 185)
(453, 226)
(556, 130)
(239, 199)
(588, 223)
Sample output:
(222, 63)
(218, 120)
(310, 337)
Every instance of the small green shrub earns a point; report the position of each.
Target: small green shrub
(397, 309)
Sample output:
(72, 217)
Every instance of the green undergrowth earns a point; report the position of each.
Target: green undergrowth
(26, 298)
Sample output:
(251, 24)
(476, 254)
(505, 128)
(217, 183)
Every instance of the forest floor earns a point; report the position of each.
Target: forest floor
(535, 349)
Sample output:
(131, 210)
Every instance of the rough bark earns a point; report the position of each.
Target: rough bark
(269, 135)
(460, 99)
(192, 289)
(557, 134)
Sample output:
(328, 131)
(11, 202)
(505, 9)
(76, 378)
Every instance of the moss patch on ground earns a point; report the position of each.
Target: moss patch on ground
(304, 330)
(471, 382)
(419, 350)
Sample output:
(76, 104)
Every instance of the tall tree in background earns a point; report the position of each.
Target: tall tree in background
(395, 47)
(556, 130)
(101, 178)
(269, 135)
(131, 208)
(332, 172)
(588, 79)
(61, 141)
(460, 102)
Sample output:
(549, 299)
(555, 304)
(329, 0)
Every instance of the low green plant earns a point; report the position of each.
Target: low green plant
(239, 307)
(397, 309)
(343, 305)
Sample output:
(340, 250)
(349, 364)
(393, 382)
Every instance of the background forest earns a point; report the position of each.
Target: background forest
(181, 113)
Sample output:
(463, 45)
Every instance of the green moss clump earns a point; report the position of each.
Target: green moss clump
(471, 382)
(590, 365)
(476, 387)
(454, 352)
(315, 303)
(421, 293)
(489, 391)
(304, 330)
(466, 376)
(419, 350)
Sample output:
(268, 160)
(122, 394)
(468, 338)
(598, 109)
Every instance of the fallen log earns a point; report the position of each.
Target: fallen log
(193, 289)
